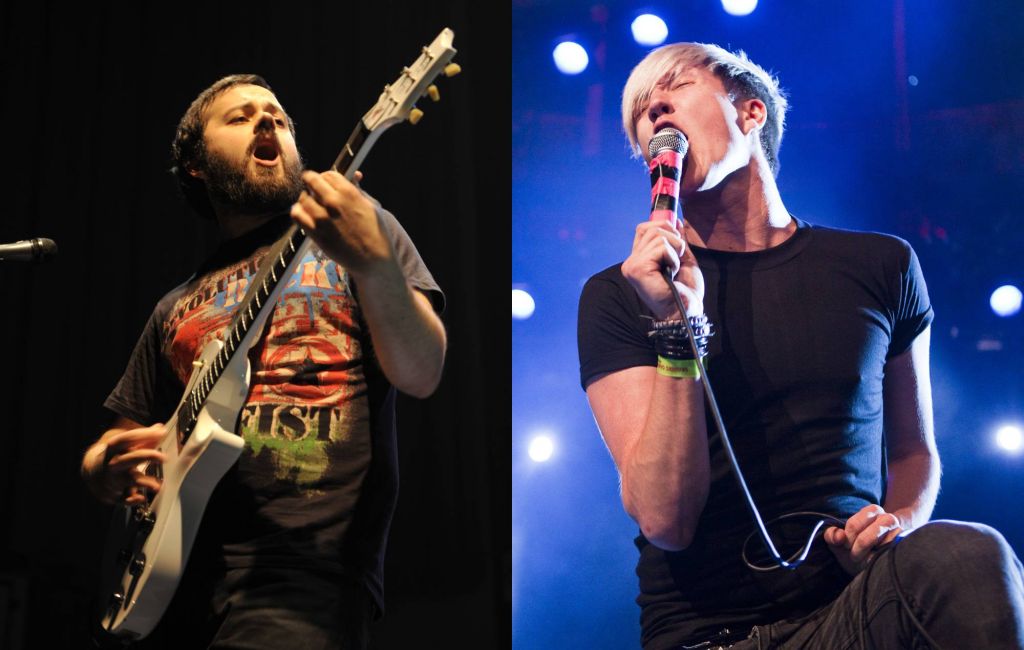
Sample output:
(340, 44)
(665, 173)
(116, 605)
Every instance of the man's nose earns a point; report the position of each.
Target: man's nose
(265, 122)
(659, 106)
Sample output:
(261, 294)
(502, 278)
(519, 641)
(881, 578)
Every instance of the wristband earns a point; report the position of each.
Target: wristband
(672, 341)
(678, 368)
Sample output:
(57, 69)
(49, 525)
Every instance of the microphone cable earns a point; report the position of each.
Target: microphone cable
(779, 562)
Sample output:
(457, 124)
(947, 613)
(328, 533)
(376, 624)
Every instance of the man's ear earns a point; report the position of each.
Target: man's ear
(753, 114)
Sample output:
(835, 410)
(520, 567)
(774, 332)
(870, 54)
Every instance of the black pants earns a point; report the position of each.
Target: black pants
(961, 582)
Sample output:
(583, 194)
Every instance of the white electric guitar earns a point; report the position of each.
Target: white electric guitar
(150, 544)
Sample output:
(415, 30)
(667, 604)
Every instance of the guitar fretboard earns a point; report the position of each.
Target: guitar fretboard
(275, 266)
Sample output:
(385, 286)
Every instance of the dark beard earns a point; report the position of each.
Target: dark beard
(241, 189)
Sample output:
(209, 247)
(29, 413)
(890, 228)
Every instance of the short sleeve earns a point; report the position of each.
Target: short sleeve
(913, 312)
(148, 391)
(415, 271)
(611, 330)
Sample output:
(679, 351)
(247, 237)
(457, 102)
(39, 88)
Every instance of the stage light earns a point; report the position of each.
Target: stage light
(570, 58)
(522, 304)
(648, 29)
(739, 7)
(541, 448)
(1005, 300)
(1010, 438)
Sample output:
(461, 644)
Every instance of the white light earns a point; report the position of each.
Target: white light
(739, 7)
(541, 448)
(1010, 438)
(522, 304)
(648, 29)
(570, 58)
(1005, 300)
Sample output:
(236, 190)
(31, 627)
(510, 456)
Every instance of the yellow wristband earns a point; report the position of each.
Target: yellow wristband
(680, 368)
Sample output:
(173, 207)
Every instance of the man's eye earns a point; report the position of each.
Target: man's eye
(240, 118)
(280, 122)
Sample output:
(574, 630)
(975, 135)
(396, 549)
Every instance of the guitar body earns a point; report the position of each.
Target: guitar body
(155, 541)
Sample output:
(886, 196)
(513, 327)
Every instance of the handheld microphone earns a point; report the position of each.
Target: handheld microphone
(667, 150)
(39, 249)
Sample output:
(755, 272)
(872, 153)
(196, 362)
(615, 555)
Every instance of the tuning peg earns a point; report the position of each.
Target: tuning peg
(452, 69)
(433, 92)
(415, 115)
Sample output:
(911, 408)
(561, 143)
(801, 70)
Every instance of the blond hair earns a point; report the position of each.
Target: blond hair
(743, 79)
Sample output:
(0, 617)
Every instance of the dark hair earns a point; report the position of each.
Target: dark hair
(188, 151)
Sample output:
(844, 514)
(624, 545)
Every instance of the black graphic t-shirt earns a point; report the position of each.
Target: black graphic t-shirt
(317, 481)
(803, 333)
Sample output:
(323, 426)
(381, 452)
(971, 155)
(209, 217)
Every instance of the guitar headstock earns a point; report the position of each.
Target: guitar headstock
(397, 101)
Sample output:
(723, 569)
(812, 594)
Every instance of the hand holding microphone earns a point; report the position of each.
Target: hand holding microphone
(658, 246)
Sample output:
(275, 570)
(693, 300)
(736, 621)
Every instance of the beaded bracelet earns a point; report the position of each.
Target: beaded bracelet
(671, 340)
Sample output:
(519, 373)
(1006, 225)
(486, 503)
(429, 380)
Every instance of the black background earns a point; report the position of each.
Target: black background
(91, 96)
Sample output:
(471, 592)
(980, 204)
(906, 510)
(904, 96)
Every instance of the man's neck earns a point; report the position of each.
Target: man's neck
(743, 213)
(234, 225)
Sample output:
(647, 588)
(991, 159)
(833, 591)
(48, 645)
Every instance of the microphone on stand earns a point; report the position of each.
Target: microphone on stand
(39, 249)
(667, 150)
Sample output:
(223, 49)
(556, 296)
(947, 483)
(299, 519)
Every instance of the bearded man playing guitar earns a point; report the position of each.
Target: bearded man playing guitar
(290, 548)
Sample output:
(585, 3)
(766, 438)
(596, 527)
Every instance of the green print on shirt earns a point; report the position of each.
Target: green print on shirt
(298, 436)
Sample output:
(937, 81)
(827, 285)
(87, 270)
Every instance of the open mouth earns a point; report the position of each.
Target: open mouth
(666, 125)
(266, 152)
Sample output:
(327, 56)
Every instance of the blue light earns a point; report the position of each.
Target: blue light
(648, 29)
(739, 7)
(570, 58)
(541, 449)
(1005, 300)
(522, 304)
(1010, 438)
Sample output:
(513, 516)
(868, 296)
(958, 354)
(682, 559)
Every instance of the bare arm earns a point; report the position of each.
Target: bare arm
(653, 424)
(914, 469)
(654, 428)
(408, 336)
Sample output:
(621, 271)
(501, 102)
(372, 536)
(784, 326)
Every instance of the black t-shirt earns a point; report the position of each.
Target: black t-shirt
(803, 333)
(316, 484)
